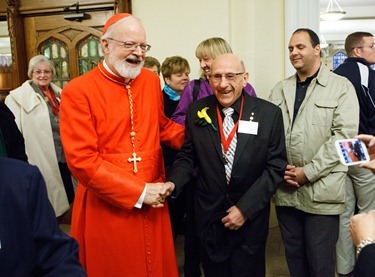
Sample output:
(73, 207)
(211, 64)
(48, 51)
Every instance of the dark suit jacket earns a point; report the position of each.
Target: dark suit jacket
(14, 142)
(365, 266)
(258, 168)
(31, 243)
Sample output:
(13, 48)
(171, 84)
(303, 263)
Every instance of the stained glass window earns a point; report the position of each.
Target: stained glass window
(56, 51)
(89, 54)
(338, 59)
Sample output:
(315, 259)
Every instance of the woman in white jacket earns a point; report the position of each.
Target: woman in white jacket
(36, 105)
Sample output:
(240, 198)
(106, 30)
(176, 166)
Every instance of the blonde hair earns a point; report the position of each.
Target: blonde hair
(212, 48)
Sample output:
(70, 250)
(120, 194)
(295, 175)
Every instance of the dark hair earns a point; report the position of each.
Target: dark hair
(173, 65)
(314, 39)
(150, 62)
(354, 40)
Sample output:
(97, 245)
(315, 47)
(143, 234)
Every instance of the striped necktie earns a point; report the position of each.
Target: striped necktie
(228, 125)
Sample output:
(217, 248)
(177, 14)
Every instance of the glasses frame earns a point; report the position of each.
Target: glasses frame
(41, 72)
(215, 77)
(132, 46)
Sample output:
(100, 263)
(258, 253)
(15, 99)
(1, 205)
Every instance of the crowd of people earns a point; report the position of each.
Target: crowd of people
(204, 156)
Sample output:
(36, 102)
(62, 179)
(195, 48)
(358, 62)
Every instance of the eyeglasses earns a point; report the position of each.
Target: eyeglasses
(229, 77)
(372, 46)
(132, 45)
(40, 72)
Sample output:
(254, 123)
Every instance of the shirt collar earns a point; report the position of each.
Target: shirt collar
(308, 79)
(110, 71)
(236, 105)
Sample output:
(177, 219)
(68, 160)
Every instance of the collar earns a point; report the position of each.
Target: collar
(308, 79)
(114, 77)
(236, 105)
(357, 60)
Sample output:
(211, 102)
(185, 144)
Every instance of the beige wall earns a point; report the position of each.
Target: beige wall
(254, 29)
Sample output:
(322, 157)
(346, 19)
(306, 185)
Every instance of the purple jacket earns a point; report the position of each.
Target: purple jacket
(204, 91)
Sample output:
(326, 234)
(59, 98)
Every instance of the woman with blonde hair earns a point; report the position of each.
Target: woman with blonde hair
(206, 52)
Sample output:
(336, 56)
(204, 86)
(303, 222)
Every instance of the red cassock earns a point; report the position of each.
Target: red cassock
(115, 238)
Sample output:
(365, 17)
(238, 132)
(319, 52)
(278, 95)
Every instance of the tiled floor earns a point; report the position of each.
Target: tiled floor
(275, 258)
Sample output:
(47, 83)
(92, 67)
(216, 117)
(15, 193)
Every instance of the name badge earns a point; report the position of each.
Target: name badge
(248, 127)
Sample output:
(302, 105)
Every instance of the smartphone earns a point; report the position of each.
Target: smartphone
(352, 151)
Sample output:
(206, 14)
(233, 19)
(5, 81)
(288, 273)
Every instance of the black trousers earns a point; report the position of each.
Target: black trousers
(309, 241)
(244, 261)
(247, 258)
(181, 211)
(67, 180)
(191, 245)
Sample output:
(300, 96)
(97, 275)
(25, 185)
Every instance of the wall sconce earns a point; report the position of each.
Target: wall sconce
(333, 12)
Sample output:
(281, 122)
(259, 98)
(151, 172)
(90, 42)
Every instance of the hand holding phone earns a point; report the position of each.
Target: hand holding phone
(352, 151)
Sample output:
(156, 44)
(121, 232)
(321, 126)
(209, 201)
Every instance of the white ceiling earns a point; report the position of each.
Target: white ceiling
(360, 16)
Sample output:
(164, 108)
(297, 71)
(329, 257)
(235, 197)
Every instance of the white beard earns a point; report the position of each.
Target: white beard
(123, 69)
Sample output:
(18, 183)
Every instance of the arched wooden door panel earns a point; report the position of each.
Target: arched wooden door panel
(64, 44)
(32, 23)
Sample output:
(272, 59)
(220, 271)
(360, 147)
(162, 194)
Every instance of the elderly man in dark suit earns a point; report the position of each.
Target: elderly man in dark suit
(241, 160)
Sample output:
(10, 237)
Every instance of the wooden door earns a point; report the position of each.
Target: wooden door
(64, 41)
(39, 27)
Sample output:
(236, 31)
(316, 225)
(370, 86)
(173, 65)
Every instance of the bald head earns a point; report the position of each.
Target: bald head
(227, 79)
(226, 60)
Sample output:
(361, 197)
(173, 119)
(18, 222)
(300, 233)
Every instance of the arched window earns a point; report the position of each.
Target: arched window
(57, 52)
(89, 54)
(338, 59)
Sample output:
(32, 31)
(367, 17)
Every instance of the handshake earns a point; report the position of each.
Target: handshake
(157, 192)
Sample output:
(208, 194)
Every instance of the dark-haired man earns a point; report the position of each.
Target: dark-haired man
(318, 108)
(360, 189)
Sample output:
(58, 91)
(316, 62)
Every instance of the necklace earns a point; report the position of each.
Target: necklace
(225, 142)
(133, 159)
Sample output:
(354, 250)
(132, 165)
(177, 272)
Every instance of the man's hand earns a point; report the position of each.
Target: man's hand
(300, 176)
(369, 140)
(169, 189)
(295, 176)
(290, 176)
(362, 226)
(156, 193)
(235, 218)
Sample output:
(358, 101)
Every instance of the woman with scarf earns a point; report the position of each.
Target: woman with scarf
(36, 107)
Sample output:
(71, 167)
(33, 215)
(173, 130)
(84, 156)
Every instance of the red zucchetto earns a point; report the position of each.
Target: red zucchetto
(113, 19)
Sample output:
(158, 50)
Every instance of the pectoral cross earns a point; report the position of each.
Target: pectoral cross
(135, 159)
